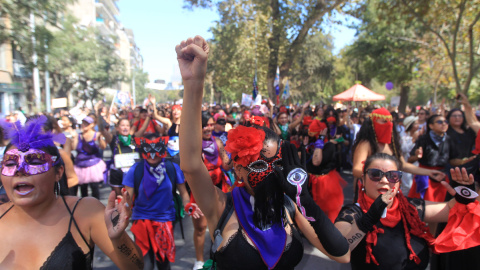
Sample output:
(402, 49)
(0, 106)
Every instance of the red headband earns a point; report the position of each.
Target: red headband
(176, 107)
(331, 119)
(381, 113)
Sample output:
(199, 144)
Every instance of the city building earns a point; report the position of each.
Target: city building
(103, 14)
(12, 70)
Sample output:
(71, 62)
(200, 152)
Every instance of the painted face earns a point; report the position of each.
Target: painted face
(152, 148)
(266, 163)
(31, 162)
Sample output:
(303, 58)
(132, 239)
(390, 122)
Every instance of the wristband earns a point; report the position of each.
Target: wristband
(319, 144)
(190, 208)
(373, 215)
(465, 195)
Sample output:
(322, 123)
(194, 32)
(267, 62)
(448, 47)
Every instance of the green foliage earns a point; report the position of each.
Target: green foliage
(282, 28)
(83, 61)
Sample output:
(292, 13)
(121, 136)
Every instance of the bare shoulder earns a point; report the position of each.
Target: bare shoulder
(85, 207)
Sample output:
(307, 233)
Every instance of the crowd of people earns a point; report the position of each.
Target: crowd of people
(260, 178)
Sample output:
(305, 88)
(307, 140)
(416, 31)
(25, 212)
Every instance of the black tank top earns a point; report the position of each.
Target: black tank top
(172, 130)
(67, 254)
(239, 254)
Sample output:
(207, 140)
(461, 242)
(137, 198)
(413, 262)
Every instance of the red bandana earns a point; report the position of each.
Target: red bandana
(383, 131)
(315, 128)
(176, 107)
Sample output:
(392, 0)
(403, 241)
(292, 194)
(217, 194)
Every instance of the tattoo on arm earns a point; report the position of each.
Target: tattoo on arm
(355, 237)
(134, 258)
(115, 217)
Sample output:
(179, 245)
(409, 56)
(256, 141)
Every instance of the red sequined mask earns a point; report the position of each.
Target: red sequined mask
(261, 168)
(152, 148)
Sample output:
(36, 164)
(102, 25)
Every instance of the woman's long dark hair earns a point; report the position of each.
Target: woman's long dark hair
(269, 198)
(463, 126)
(367, 133)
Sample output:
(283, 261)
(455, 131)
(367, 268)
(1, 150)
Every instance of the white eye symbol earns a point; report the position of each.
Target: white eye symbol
(297, 176)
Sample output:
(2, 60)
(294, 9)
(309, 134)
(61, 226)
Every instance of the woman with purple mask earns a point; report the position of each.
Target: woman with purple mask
(56, 231)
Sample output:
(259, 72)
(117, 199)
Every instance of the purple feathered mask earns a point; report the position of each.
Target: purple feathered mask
(31, 136)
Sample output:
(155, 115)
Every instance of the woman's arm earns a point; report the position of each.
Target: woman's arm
(74, 140)
(312, 237)
(410, 168)
(469, 114)
(439, 211)
(192, 58)
(141, 131)
(359, 156)
(108, 231)
(227, 164)
(300, 119)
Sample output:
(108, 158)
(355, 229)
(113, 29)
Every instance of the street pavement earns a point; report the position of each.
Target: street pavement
(185, 252)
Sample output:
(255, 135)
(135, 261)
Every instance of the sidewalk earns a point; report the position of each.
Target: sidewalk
(185, 253)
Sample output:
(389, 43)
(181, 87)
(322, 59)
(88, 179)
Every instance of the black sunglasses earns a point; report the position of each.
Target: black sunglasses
(392, 176)
(441, 122)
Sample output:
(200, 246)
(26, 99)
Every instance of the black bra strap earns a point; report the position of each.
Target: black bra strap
(6, 211)
(74, 221)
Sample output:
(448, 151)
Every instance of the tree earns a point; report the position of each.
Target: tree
(282, 28)
(381, 54)
(15, 28)
(84, 61)
(455, 25)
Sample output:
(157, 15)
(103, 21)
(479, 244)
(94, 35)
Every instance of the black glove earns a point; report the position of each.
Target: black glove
(295, 178)
(294, 181)
(373, 215)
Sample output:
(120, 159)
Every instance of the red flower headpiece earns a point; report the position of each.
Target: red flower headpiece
(245, 144)
(381, 113)
(260, 121)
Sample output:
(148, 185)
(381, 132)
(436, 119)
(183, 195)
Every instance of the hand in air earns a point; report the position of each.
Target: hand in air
(462, 193)
(117, 213)
(192, 55)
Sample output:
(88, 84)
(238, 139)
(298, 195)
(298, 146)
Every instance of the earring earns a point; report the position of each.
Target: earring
(57, 190)
(239, 183)
(363, 189)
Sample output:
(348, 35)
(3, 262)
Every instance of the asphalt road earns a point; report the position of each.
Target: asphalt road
(185, 252)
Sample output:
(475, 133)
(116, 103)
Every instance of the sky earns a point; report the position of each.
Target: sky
(159, 25)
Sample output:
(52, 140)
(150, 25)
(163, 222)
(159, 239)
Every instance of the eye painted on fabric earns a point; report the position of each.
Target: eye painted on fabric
(258, 166)
(297, 176)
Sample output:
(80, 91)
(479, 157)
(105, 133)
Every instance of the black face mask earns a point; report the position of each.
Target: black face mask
(221, 122)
